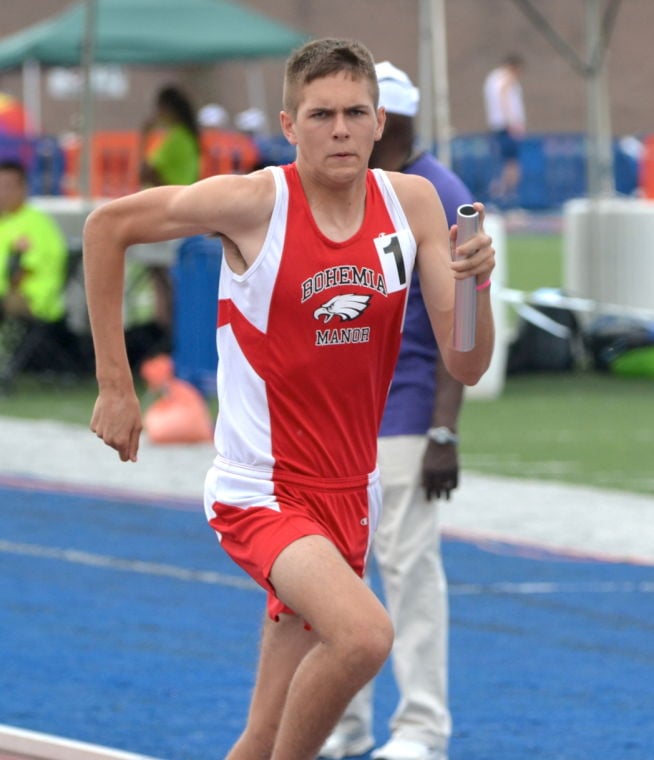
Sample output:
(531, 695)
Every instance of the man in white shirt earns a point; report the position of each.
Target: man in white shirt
(505, 116)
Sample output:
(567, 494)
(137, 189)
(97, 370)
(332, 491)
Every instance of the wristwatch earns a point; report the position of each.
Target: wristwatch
(442, 435)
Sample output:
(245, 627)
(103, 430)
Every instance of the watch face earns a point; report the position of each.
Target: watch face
(442, 435)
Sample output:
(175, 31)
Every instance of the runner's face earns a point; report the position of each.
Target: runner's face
(335, 126)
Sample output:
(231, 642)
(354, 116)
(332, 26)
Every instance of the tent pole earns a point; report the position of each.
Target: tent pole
(256, 87)
(600, 149)
(426, 113)
(87, 59)
(441, 94)
(32, 95)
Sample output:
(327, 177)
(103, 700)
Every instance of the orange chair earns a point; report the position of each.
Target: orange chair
(114, 159)
(646, 169)
(224, 152)
(115, 163)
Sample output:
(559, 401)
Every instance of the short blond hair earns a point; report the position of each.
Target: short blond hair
(322, 58)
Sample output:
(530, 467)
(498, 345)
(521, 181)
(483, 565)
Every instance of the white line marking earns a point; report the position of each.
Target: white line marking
(223, 579)
(534, 588)
(31, 743)
(133, 566)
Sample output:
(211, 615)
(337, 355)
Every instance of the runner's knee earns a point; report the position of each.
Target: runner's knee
(366, 644)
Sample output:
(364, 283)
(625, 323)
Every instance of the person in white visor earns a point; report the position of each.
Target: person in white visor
(419, 463)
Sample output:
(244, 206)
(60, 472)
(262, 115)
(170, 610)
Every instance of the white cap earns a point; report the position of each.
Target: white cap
(251, 120)
(396, 91)
(213, 115)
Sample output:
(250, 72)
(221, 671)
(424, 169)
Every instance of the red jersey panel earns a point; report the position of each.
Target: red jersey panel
(309, 336)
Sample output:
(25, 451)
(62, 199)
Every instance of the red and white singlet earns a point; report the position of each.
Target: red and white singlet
(307, 340)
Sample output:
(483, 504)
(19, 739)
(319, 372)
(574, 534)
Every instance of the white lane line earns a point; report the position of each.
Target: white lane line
(33, 744)
(535, 588)
(224, 579)
(133, 566)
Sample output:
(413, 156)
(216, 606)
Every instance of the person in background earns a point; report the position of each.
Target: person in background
(171, 147)
(33, 252)
(419, 463)
(252, 126)
(505, 116)
(171, 141)
(33, 263)
(213, 116)
(252, 122)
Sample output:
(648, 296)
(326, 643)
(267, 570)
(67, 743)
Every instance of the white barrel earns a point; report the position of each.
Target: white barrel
(608, 250)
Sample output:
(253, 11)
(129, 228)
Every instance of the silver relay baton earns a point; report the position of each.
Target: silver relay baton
(465, 294)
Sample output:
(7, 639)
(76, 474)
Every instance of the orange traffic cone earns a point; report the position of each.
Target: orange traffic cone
(180, 414)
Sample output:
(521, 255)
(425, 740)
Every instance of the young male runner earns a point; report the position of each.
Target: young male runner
(318, 257)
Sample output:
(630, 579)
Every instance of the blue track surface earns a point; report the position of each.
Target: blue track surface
(123, 624)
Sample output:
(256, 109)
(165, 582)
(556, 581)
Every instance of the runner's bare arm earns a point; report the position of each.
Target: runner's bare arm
(238, 207)
(438, 273)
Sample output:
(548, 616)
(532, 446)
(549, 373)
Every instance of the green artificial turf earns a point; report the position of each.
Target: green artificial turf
(36, 398)
(534, 261)
(583, 427)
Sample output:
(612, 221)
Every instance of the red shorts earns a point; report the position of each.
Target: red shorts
(345, 511)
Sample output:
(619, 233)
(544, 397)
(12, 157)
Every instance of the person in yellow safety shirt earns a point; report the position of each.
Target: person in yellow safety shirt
(33, 252)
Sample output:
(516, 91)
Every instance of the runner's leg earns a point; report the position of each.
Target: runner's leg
(353, 635)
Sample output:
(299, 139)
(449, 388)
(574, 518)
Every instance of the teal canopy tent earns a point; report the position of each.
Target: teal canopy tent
(150, 32)
(145, 32)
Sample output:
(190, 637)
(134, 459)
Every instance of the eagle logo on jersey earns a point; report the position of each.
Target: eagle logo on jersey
(347, 306)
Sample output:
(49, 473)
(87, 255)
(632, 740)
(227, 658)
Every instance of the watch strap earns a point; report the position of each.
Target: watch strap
(442, 435)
